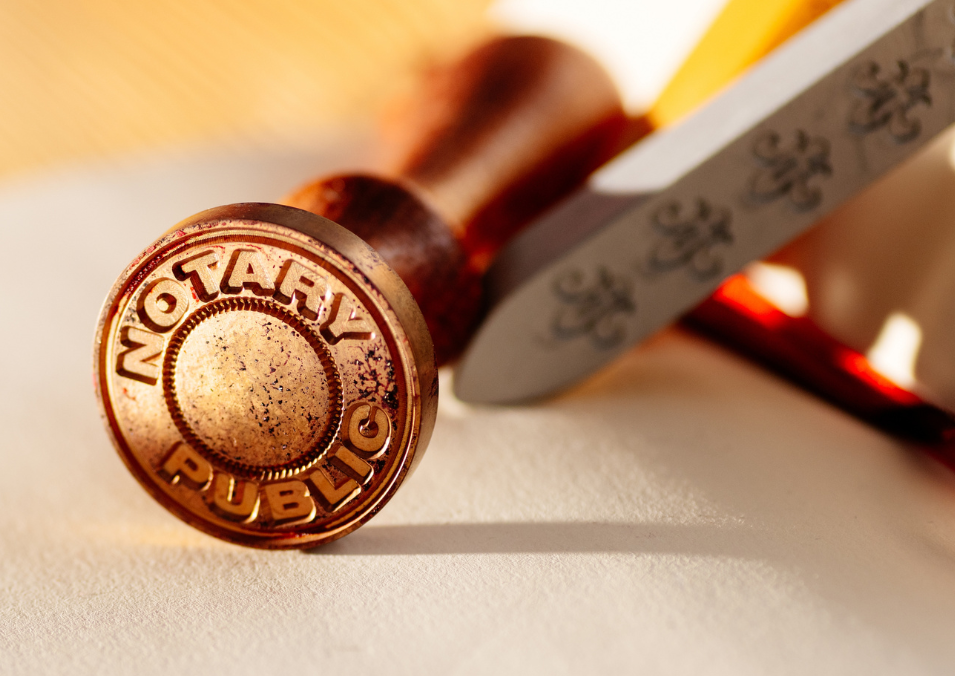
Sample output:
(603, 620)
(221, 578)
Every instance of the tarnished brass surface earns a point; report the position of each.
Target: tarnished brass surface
(265, 376)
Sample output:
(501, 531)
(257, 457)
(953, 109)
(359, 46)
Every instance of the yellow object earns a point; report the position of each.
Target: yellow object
(742, 34)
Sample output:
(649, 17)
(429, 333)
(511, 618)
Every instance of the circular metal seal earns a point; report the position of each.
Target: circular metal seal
(265, 376)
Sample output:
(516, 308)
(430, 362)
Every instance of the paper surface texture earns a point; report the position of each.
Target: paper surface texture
(681, 513)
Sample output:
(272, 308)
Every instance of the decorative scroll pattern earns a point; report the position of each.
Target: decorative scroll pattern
(593, 307)
(786, 171)
(688, 238)
(886, 100)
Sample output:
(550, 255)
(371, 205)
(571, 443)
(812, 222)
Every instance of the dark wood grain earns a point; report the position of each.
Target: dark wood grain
(488, 143)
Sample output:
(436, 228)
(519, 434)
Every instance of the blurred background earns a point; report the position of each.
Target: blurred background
(680, 513)
(255, 97)
(93, 79)
(99, 78)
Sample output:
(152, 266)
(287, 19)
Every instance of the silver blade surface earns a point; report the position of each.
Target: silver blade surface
(657, 230)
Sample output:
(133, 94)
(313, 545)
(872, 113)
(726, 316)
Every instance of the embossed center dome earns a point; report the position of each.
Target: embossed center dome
(252, 385)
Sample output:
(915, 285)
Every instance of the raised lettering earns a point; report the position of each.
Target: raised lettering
(352, 465)
(247, 271)
(333, 496)
(163, 304)
(367, 429)
(344, 323)
(289, 502)
(296, 281)
(199, 269)
(136, 360)
(225, 490)
(185, 464)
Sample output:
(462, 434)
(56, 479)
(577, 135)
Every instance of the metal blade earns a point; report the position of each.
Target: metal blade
(657, 230)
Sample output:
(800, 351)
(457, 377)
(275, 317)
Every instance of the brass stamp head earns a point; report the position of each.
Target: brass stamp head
(265, 376)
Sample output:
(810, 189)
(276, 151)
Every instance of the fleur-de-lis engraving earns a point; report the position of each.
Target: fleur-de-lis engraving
(786, 170)
(886, 100)
(688, 239)
(592, 307)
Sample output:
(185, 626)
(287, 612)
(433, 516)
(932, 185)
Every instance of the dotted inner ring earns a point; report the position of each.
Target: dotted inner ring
(305, 459)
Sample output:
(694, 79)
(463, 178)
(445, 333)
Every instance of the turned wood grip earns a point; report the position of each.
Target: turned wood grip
(488, 143)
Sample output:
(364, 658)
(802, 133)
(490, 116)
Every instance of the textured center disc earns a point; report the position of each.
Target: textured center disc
(254, 386)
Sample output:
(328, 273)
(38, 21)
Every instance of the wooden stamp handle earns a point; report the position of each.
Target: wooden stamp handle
(491, 141)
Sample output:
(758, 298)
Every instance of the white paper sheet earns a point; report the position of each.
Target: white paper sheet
(682, 512)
